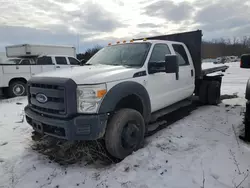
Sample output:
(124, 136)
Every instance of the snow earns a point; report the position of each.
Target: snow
(202, 150)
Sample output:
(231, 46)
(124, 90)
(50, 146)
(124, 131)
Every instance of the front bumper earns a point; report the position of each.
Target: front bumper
(81, 127)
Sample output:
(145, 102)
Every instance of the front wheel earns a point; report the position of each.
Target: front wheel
(17, 89)
(125, 133)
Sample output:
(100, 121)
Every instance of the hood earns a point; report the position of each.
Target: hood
(92, 74)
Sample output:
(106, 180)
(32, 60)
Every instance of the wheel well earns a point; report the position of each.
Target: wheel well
(18, 79)
(131, 101)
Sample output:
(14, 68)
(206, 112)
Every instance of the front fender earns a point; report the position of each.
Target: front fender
(124, 89)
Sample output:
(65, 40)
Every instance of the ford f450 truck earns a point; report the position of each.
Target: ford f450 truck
(121, 91)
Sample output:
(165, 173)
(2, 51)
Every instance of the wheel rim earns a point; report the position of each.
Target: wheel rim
(18, 89)
(130, 135)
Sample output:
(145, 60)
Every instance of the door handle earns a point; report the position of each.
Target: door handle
(58, 67)
(192, 73)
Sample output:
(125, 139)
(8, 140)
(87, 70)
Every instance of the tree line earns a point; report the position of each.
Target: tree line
(225, 47)
(88, 53)
(210, 49)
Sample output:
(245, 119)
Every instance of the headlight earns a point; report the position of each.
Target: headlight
(89, 97)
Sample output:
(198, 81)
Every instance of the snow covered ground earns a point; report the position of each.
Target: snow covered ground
(201, 150)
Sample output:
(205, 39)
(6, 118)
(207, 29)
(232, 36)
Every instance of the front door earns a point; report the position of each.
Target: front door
(161, 86)
(73, 62)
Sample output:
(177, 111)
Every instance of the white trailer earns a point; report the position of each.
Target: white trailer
(34, 50)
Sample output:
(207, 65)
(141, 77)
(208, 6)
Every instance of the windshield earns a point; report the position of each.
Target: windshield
(12, 61)
(132, 54)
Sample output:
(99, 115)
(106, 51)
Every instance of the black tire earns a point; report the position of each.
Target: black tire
(247, 129)
(214, 93)
(125, 133)
(247, 122)
(17, 89)
(203, 92)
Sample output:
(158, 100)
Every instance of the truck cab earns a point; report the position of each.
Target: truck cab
(120, 92)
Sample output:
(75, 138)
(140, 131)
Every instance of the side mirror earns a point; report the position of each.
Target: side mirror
(245, 61)
(171, 64)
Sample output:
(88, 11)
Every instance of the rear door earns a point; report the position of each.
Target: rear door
(186, 71)
(43, 64)
(61, 62)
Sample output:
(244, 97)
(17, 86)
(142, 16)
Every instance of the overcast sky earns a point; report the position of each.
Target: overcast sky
(103, 21)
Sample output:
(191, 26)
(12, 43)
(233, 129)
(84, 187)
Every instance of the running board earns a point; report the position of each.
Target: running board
(169, 109)
(153, 126)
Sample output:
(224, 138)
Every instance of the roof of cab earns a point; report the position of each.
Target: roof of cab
(145, 41)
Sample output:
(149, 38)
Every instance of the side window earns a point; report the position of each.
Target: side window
(44, 61)
(25, 62)
(73, 61)
(61, 60)
(181, 55)
(159, 52)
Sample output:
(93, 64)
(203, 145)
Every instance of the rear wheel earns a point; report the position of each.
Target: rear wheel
(214, 93)
(16, 89)
(125, 133)
(203, 92)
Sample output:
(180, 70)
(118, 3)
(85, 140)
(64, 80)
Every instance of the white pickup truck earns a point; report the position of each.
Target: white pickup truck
(121, 91)
(25, 62)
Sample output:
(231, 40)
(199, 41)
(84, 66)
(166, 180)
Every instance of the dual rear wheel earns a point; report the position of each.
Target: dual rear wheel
(209, 92)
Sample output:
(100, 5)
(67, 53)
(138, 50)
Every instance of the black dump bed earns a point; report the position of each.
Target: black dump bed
(193, 41)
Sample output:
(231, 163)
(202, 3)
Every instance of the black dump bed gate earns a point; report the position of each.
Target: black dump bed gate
(193, 42)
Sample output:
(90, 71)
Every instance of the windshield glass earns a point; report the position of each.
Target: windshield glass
(12, 61)
(132, 54)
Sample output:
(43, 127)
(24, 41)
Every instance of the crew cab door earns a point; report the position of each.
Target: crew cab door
(61, 62)
(186, 71)
(162, 86)
(43, 64)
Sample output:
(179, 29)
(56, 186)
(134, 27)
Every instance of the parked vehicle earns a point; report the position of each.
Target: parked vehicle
(28, 60)
(233, 58)
(245, 63)
(122, 90)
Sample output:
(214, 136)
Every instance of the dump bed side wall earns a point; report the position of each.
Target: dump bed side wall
(193, 42)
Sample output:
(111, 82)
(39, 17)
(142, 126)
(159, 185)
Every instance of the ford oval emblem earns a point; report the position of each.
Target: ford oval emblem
(41, 98)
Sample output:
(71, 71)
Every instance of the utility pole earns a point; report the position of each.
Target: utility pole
(78, 42)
